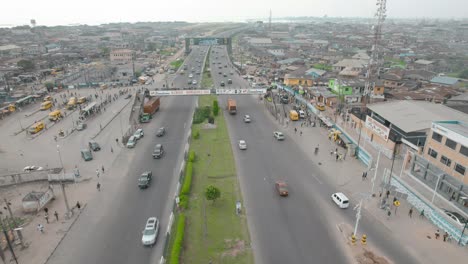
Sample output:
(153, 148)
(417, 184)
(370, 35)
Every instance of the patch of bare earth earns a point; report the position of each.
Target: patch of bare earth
(233, 247)
(368, 257)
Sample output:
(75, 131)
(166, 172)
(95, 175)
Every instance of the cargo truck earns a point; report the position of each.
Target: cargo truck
(231, 106)
(149, 108)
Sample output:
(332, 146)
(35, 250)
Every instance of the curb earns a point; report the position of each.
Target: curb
(112, 119)
(65, 234)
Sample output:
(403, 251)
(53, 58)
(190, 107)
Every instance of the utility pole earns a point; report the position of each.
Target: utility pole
(357, 208)
(375, 174)
(462, 233)
(67, 206)
(10, 246)
(9, 211)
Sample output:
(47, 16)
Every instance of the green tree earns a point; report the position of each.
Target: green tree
(215, 107)
(49, 85)
(463, 74)
(26, 65)
(212, 193)
(105, 51)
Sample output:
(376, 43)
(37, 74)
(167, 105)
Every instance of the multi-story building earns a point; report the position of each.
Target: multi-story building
(447, 148)
(121, 56)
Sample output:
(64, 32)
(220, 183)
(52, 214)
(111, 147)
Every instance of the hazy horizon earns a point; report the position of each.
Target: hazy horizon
(54, 12)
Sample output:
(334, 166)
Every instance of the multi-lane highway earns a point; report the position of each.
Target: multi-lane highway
(109, 230)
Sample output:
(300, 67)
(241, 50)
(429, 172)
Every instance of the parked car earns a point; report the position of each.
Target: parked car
(247, 119)
(161, 132)
(94, 146)
(139, 133)
(145, 179)
(32, 168)
(242, 145)
(278, 135)
(81, 126)
(158, 151)
(151, 231)
(282, 188)
(194, 82)
(131, 142)
(86, 154)
(458, 218)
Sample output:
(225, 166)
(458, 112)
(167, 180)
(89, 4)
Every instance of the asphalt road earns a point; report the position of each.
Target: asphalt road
(109, 230)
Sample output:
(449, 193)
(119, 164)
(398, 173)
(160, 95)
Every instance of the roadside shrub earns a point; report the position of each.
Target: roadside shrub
(187, 179)
(183, 201)
(179, 239)
(191, 156)
(201, 113)
(196, 134)
(211, 119)
(215, 108)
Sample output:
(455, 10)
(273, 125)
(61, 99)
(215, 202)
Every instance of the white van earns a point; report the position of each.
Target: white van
(302, 114)
(341, 200)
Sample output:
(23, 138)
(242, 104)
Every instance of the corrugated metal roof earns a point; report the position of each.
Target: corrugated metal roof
(413, 116)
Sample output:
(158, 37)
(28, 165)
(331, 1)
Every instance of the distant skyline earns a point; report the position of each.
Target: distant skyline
(94, 12)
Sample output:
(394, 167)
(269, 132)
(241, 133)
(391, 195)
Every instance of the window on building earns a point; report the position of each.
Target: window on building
(446, 161)
(436, 136)
(464, 151)
(432, 153)
(460, 169)
(450, 143)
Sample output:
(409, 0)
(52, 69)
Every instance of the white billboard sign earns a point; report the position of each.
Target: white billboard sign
(178, 92)
(376, 127)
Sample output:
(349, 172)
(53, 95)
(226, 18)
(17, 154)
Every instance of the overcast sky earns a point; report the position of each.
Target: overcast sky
(64, 12)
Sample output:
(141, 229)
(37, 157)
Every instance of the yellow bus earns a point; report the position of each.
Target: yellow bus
(46, 105)
(293, 115)
(320, 106)
(71, 103)
(82, 100)
(36, 128)
(55, 115)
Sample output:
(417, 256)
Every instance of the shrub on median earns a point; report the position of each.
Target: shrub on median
(215, 108)
(179, 239)
(196, 134)
(201, 113)
(187, 179)
(191, 156)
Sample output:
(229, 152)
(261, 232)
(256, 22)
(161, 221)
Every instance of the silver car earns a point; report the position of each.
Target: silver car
(151, 232)
(131, 142)
(242, 145)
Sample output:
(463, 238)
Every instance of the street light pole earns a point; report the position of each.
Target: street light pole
(10, 246)
(69, 213)
(462, 233)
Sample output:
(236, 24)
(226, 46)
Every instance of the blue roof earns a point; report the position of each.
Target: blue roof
(445, 80)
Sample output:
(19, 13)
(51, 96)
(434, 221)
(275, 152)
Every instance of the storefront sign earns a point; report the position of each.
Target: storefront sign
(377, 128)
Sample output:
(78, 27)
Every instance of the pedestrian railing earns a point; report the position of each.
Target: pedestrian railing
(433, 215)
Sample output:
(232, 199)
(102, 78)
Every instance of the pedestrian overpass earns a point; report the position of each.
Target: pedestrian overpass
(208, 41)
(259, 91)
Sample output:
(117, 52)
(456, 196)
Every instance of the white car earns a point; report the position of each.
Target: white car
(190, 76)
(151, 231)
(242, 144)
(139, 133)
(131, 142)
(194, 82)
(278, 135)
(247, 119)
(32, 168)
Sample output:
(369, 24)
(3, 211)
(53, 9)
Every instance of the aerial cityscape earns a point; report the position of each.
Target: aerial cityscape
(234, 132)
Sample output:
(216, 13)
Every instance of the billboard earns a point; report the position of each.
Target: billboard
(377, 128)
(206, 92)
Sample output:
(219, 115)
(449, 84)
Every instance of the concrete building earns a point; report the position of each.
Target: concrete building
(260, 42)
(121, 56)
(298, 77)
(10, 50)
(447, 148)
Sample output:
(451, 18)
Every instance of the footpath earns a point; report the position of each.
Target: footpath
(39, 246)
(418, 233)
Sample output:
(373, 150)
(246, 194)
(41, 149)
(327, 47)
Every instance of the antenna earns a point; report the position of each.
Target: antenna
(375, 59)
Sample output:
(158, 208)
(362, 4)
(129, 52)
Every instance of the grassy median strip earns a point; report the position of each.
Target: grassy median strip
(177, 63)
(213, 230)
(207, 81)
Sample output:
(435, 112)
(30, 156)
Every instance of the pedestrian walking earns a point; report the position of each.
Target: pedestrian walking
(46, 216)
(301, 133)
(117, 141)
(97, 173)
(40, 228)
(78, 205)
(388, 193)
(112, 150)
(56, 215)
(388, 214)
(364, 175)
(437, 234)
(337, 156)
(410, 213)
(98, 186)
(295, 130)
(102, 168)
(316, 149)
(445, 236)
(421, 215)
